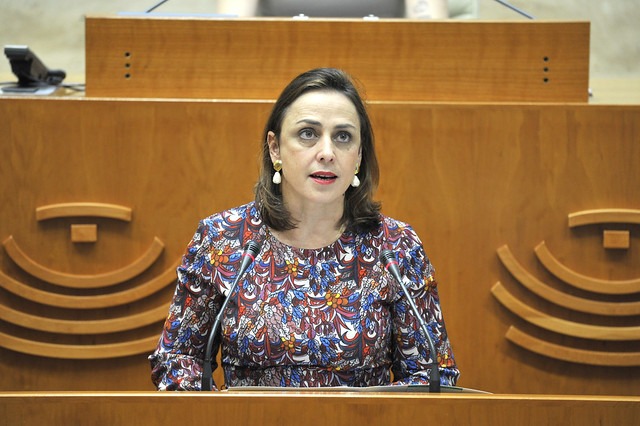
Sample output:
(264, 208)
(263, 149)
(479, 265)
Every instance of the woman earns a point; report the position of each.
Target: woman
(316, 307)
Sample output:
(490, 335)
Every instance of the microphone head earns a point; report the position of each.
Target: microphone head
(386, 257)
(252, 248)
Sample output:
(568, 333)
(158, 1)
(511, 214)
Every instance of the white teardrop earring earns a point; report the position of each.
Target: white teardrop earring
(277, 178)
(356, 182)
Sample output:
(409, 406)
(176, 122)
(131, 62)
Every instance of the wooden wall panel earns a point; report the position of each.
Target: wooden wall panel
(396, 60)
(471, 178)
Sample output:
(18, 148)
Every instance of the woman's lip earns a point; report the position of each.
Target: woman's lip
(324, 178)
(324, 174)
(321, 181)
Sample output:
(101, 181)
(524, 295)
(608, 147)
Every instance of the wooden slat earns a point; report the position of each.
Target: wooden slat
(560, 298)
(579, 356)
(60, 351)
(82, 209)
(583, 282)
(124, 297)
(590, 217)
(106, 279)
(561, 326)
(52, 325)
(396, 60)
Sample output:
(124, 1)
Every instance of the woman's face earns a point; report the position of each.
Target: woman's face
(319, 147)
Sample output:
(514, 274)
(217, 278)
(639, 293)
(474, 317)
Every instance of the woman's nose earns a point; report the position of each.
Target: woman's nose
(325, 149)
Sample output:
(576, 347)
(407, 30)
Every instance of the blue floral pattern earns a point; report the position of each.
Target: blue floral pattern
(302, 317)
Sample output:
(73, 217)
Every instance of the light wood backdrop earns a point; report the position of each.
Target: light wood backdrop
(400, 60)
(481, 183)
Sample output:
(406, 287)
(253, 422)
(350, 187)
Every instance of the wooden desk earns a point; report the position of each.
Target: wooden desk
(396, 60)
(313, 408)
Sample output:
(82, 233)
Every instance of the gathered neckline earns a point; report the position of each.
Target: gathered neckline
(305, 251)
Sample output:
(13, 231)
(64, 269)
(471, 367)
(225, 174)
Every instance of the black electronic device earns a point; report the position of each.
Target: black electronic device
(31, 72)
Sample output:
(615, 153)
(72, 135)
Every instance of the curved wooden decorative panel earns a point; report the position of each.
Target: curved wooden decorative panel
(591, 217)
(583, 282)
(612, 239)
(83, 327)
(561, 326)
(562, 299)
(52, 350)
(60, 326)
(84, 281)
(110, 211)
(564, 353)
(78, 299)
(89, 302)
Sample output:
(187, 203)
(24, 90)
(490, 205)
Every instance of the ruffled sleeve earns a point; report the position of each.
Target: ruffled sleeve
(177, 361)
(411, 354)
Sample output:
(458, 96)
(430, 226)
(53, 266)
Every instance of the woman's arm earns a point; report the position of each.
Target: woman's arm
(412, 357)
(177, 361)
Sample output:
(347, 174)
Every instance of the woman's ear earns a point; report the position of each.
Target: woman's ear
(274, 146)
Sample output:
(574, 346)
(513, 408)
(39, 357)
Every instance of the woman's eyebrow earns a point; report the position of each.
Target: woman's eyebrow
(309, 121)
(346, 126)
(317, 123)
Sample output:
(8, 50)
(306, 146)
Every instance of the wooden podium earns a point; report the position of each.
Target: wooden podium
(313, 408)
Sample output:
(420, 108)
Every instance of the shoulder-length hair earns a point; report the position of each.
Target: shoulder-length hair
(361, 212)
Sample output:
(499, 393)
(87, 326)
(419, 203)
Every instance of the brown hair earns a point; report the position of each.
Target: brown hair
(361, 212)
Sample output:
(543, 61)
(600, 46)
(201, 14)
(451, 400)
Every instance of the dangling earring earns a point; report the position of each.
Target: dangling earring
(356, 182)
(277, 166)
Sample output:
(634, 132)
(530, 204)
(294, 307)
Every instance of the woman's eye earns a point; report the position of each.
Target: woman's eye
(307, 134)
(343, 137)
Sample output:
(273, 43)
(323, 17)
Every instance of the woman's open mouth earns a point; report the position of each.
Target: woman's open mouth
(324, 177)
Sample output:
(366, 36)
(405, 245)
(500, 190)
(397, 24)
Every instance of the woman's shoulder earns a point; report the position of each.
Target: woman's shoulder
(390, 224)
(396, 231)
(237, 224)
(244, 212)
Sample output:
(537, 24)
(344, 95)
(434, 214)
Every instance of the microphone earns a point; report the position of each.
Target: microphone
(249, 253)
(390, 263)
(515, 9)
(157, 5)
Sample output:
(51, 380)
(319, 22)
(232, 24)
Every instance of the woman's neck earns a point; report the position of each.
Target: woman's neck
(312, 231)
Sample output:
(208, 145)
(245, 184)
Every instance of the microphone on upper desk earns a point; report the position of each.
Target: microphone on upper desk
(390, 263)
(249, 253)
(515, 9)
(157, 5)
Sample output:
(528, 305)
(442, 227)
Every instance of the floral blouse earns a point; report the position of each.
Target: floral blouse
(331, 316)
